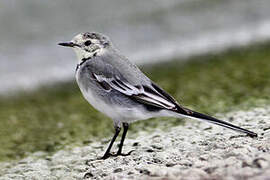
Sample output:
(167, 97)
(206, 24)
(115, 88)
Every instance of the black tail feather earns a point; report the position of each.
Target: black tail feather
(216, 121)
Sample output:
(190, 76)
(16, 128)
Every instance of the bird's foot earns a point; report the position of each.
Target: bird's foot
(123, 154)
(107, 155)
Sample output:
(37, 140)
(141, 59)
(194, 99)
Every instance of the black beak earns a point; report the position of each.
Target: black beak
(68, 44)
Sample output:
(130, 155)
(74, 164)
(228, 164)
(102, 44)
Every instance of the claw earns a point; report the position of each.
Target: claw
(127, 154)
(106, 156)
(115, 155)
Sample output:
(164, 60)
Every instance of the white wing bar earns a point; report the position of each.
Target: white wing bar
(146, 95)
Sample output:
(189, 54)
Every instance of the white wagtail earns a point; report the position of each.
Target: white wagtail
(117, 88)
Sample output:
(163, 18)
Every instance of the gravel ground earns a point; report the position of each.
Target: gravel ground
(194, 151)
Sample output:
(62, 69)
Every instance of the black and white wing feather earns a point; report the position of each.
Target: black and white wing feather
(150, 95)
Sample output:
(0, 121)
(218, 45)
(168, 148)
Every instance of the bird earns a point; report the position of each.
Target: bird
(118, 88)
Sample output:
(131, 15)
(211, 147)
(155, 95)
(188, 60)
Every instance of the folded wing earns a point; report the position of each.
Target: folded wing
(150, 95)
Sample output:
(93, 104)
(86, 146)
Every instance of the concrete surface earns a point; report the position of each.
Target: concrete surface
(193, 151)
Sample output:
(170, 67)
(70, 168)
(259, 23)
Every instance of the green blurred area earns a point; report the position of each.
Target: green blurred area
(52, 117)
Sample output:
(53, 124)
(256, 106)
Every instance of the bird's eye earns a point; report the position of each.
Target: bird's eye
(87, 43)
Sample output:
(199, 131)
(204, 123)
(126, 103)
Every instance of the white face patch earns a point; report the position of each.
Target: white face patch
(84, 52)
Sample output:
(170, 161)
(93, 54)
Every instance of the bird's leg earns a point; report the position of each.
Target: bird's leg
(107, 153)
(119, 152)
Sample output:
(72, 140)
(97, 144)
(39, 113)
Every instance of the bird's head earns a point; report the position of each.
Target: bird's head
(87, 45)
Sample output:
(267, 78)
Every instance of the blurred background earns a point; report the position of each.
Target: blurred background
(187, 46)
(146, 32)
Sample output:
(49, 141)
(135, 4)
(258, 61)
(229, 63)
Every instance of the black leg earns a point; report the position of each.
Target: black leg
(125, 126)
(119, 152)
(107, 153)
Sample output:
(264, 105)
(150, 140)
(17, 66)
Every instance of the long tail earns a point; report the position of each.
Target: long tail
(193, 114)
